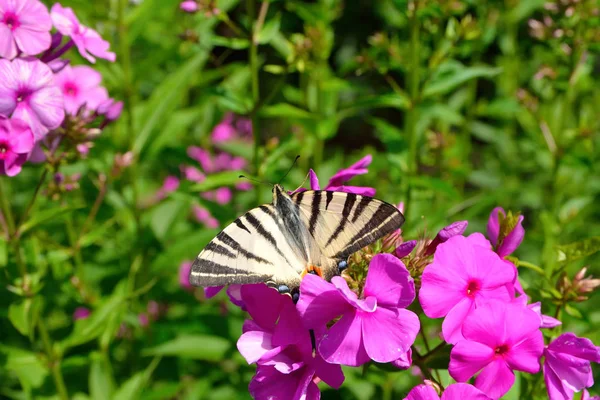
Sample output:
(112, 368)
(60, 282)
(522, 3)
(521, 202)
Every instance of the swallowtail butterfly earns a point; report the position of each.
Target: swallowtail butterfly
(313, 231)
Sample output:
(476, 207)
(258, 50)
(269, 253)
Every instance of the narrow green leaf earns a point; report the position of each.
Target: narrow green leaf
(23, 315)
(573, 312)
(165, 215)
(26, 365)
(40, 217)
(198, 347)
(231, 42)
(100, 379)
(132, 388)
(389, 100)
(453, 74)
(269, 30)
(285, 110)
(214, 181)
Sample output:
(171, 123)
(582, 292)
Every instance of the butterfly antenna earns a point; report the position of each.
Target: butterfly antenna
(286, 174)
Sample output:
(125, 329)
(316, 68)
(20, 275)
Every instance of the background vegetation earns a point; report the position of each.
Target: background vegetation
(464, 105)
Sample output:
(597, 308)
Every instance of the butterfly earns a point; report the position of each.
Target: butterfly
(313, 231)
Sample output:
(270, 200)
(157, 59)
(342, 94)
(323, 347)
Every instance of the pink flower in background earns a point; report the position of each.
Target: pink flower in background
(81, 313)
(189, 6)
(80, 86)
(462, 276)
(184, 275)
(203, 216)
(336, 183)
(224, 131)
(222, 195)
(275, 340)
(192, 174)
(88, 41)
(111, 109)
(567, 366)
(454, 229)
(28, 92)
(24, 26)
(499, 337)
(376, 326)
(143, 320)
(457, 391)
(170, 185)
(512, 240)
(16, 142)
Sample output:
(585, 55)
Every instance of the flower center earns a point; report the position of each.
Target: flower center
(70, 89)
(472, 288)
(501, 350)
(23, 94)
(4, 149)
(11, 20)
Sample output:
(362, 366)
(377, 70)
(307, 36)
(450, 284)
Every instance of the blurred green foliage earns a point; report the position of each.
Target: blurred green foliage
(464, 104)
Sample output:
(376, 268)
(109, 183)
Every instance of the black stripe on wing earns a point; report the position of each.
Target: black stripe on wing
(235, 246)
(218, 249)
(348, 204)
(257, 225)
(207, 273)
(241, 225)
(314, 212)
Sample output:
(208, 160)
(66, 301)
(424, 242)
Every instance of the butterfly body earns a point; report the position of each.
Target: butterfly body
(307, 232)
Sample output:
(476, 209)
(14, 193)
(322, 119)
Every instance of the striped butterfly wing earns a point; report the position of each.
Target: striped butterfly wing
(343, 223)
(253, 249)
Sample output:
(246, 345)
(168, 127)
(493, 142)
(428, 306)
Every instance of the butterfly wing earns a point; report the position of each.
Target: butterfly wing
(343, 223)
(253, 249)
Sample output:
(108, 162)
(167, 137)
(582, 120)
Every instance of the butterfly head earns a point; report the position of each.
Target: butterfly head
(277, 191)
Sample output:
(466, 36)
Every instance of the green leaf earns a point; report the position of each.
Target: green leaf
(198, 347)
(132, 388)
(23, 315)
(100, 379)
(182, 247)
(452, 74)
(578, 250)
(165, 98)
(285, 110)
(573, 312)
(269, 30)
(40, 217)
(165, 215)
(231, 42)
(3, 252)
(26, 365)
(215, 181)
(389, 100)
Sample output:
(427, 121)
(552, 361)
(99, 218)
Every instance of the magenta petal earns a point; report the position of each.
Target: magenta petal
(554, 386)
(453, 323)
(574, 373)
(314, 181)
(263, 304)
(479, 240)
(360, 190)
(405, 248)
(342, 344)
(369, 304)
(463, 391)
(525, 356)
(578, 347)
(319, 302)
(405, 361)
(289, 330)
(387, 335)
(487, 324)
(212, 291)
(331, 374)
(496, 379)
(235, 295)
(389, 281)
(422, 392)
(467, 358)
(512, 240)
(493, 225)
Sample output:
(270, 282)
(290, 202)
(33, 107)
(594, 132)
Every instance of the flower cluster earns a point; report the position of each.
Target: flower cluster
(43, 100)
(361, 316)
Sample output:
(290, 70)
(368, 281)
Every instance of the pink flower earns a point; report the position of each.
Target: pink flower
(567, 365)
(454, 229)
(189, 6)
(81, 313)
(405, 248)
(586, 396)
(143, 320)
(499, 337)
(24, 26)
(457, 391)
(336, 183)
(405, 360)
(203, 157)
(203, 216)
(80, 86)
(512, 240)
(375, 326)
(463, 275)
(111, 109)
(88, 41)
(192, 174)
(28, 92)
(224, 131)
(275, 340)
(546, 321)
(16, 142)
(184, 275)
(170, 185)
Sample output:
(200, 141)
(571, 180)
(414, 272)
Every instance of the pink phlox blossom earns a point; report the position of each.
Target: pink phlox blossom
(81, 313)
(376, 326)
(512, 240)
(16, 142)
(567, 366)
(88, 41)
(405, 360)
(274, 339)
(24, 27)
(189, 6)
(192, 174)
(585, 395)
(28, 92)
(456, 391)
(454, 229)
(499, 337)
(170, 184)
(111, 109)
(204, 216)
(81, 88)
(546, 321)
(462, 276)
(184, 275)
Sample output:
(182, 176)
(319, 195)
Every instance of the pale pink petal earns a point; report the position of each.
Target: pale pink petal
(31, 42)
(320, 302)
(463, 391)
(467, 358)
(8, 47)
(34, 15)
(47, 103)
(256, 345)
(387, 335)
(422, 392)
(453, 323)
(24, 113)
(389, 281)
(86, 77)
(495, 380)
(97, 46)
(342, 344)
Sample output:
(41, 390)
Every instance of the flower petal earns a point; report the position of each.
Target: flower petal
(319, 302)
(525, 355)
(31, 42)
(495, 380)
(493, 225)
(463, 391)
(578, 347)
(422, 392)
(387, 334)
(513, 239)
(574, 373)
(331, 374)
(255, 297)
(555, 387)
(453, 323)
(389, 281)
(343, 344)
(314, 181)
(257, 345)
(467, 358)
(8, 47)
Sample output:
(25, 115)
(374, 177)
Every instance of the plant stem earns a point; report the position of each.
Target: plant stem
(33, 199)
(54, 361)
(13, 236)
(412, 114)
(253, 59)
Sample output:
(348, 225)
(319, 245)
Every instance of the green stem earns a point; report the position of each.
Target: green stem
(412, 114)
(253, 60)
(54, 362)
(13, 236)
(33, 199)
